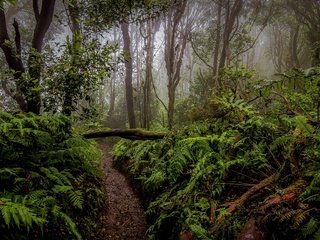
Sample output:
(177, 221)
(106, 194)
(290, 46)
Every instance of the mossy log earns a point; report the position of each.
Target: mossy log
(133, 134)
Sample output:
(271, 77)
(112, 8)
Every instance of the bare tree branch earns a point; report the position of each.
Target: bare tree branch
(157, 96)
(198, 55)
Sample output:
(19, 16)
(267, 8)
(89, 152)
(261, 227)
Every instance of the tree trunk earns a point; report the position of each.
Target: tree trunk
(152, 28)
(14, 62)
(43, 22)
(112, 97)
(148, 80)
(172, 96)
(139, 74)
(175, 44)
(294, 35)
(75, 52)
(27, 90)
(128, 78)
(230, 18)
(218, 40)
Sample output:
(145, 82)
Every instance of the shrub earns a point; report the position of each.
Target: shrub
(50, 179)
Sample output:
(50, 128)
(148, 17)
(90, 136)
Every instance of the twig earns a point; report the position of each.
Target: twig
(157, 96)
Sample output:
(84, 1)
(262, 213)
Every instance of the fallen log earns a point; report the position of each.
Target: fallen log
(232, 206)
(133, 134)
(252, 228)
(236, 204)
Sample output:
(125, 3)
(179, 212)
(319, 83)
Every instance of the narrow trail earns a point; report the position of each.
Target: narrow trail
(123, 218)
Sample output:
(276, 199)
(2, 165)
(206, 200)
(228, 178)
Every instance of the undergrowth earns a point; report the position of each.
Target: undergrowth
(188, 179)
(50, 179)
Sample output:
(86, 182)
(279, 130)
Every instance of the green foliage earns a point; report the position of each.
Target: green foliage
(199, 91)
(17, 214)
(116, 11)
(210, 162)
(236, 79)
(47, 175)
(76, 75)
(181, 174)
(296, 89)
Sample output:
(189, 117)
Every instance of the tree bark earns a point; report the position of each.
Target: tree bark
(152, 26)
(128, 77)
(27, 91)
(43, 21)
(232, 12)
(294, 35)
(14, 63)
(175, 44)
(172, 97)
(112, 96)
(149, 77)
(218, 40)
(10, 53)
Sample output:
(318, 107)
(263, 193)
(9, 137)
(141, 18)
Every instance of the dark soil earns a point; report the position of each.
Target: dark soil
(123, 217)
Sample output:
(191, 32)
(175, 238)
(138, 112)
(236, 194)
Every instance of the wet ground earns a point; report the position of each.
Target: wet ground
(123, 217)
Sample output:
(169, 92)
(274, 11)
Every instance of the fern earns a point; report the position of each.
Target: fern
(316, 236)
(6, 173)
(311, 227)
(236, 106)
(220, 160)
(312, 192)
(55, 175)
(69, 223)
(154, 181)
(17, 214)
(75, 196)
(46, 173)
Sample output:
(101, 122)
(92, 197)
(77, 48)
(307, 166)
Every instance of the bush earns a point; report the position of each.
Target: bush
(187, 178)
(50, 179)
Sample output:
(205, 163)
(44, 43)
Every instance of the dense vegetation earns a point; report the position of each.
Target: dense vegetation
(227, 92)
(242, 169)
(50, 179)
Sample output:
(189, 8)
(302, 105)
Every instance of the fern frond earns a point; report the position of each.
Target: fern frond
(310, 227)
(300, 218)
(69, 223)
(17, 214)
(316, 236)
(55, 175)
(76, 198)
(6, 173)
(62, 188)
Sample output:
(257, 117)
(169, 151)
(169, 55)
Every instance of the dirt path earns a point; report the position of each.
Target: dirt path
(123, 217)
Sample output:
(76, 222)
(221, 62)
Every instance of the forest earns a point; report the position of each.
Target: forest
(160, 119)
